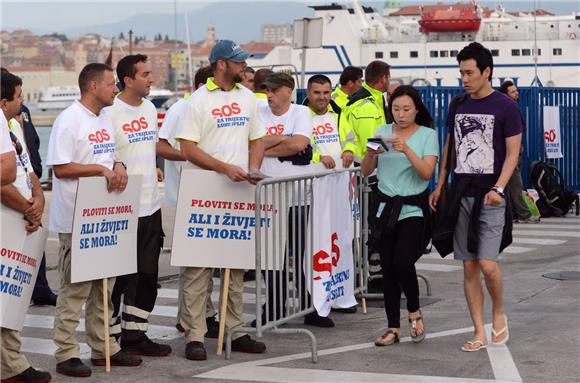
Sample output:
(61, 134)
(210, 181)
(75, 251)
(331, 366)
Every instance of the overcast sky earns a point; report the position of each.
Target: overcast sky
(55, 16)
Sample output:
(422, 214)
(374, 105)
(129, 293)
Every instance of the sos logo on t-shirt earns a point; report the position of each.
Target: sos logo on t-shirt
(137, 130)
(324, 133)
(228, 115)
(101, 142)
(275, 130)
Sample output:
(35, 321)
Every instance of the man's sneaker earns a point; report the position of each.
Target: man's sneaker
(30, 375)
(248, 345)
(195, 351)
(73, 367)
(120, 359)
(213, 328)
(146, 347)
(314, 319)
(531, 219)
(179, 327)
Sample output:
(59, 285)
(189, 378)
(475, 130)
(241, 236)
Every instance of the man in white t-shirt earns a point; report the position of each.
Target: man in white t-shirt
(7, 160)
(134, 121)
(82, 144)
(168, 148)
(220, 131)
(289, 153)
(24, 198)
(326, 131)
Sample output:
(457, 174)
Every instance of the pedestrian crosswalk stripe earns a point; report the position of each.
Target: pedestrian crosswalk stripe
(539, 241)
(438, 267)
(547, 233)
(536, 226)
(518, 249)
(47, 347)
(568, 219)
(171, 312)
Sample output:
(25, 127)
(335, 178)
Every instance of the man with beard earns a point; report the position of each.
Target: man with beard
(236, 150)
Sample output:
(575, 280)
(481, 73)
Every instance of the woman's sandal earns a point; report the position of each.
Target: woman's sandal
(413, 329)
(382, 340)
(498, 333)
(480, 346)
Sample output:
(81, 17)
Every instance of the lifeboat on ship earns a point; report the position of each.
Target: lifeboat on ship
(456, 18)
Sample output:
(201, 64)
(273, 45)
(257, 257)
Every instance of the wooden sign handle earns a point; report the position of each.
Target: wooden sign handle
(223, 310)
(106, 324)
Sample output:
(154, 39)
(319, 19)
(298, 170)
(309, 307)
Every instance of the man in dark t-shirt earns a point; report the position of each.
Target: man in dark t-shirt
(487, 129)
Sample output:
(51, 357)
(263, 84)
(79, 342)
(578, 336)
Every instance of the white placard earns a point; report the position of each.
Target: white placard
(104, 238)
(552, 137)
(215, 223)
(21, 254)
(333, 270)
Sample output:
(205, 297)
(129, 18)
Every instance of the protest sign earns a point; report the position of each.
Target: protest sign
(215, 222)
(552, 137)
(332, 260)
(104, 238)
(20, 256)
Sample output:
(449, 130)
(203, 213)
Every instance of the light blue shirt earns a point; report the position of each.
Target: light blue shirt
(395, 173)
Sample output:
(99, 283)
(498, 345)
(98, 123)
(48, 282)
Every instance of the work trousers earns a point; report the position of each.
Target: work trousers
(139, 290)
(69, 305)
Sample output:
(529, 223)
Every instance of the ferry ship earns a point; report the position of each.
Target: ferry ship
(422, 42)
(57, 97)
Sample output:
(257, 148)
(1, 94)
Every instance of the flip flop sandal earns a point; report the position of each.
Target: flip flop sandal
(472, 343)
(413, 322)
(381, 340)
(498, 333)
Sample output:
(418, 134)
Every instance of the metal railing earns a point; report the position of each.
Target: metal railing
(284, 276)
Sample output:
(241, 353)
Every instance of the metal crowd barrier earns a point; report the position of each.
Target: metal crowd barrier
(282, 294)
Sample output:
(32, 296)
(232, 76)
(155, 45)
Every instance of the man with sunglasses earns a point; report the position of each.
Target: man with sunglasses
(24, 198)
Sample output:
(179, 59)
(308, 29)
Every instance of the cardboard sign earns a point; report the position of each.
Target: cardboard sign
(20, 257)
(552, 137)
(104, 238)
(215, 223)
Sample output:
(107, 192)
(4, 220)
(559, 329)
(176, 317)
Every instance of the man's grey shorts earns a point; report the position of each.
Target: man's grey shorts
(491, 222)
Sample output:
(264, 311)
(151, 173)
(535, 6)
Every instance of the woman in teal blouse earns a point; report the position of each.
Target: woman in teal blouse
(403, 177)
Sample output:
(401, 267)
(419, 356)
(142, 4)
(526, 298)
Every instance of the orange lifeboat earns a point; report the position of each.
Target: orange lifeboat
(457, 18)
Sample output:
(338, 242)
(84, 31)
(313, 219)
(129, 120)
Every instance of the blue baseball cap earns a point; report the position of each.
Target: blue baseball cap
(227, 50)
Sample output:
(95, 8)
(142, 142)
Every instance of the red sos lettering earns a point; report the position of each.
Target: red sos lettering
(323, 129)
(276, 129)
(135, 125)
(99, 136)
(226, 110)
(550, 136)
(322, 255)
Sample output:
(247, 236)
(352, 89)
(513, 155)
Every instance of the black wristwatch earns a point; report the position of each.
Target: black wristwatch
(499, 191)
(119, 162)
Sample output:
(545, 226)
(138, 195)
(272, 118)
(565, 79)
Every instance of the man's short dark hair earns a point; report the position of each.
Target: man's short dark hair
(249, 69)
(8, 85)
(480, 54)
(350, 73)
(260, 76)
(318, 79)
(201, 76)
(92, 72)
(505, 86)
(375, 70)
(126, 67)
